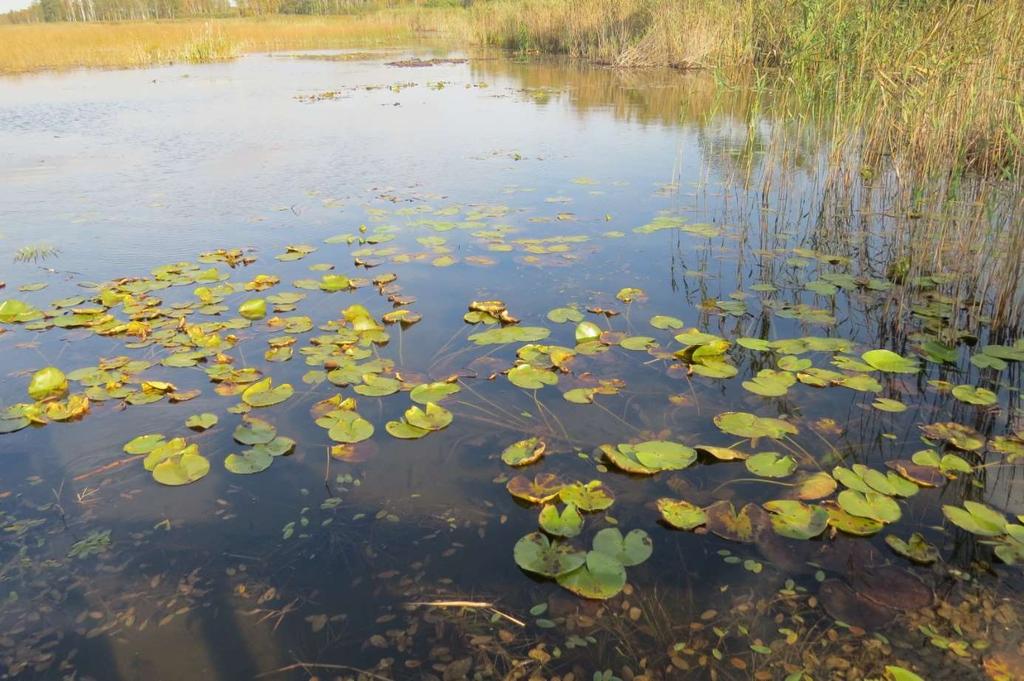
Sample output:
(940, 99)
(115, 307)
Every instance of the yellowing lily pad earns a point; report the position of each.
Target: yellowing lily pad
(261, 394)
(524, 452)
(182, 469)
(680, 514)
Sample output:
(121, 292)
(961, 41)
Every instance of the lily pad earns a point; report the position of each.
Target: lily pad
(795, 519)
(633, 549)
(405, 431)
(587, 331)
(680, 514)
(143, 444)
(433, 392)
(972, 395)
(261, 394)
(976, 518)
(851, 524)
(254, 431)
(529, 377)
(348, 427)
(49, 383)
(889, 362)
(544, 487)
(538, 554)
(432, 417)
(253, 309)
(743, 424)
(601, 578)
(870, 505)
(723, 520)
(524, 452)
(588, 497)
(202, 421)
(568, 523)
(182, 469)
(771, 465)
(916, 548)
(248, 462)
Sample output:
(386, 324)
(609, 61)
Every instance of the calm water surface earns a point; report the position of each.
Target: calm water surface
(485, 180)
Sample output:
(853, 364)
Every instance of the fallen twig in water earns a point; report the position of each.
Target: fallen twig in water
(470, 604)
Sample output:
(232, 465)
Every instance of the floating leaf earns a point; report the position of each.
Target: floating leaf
(722, 519)
(544, 487)
(405, 431)
(587, 331)
(916, 548)
(851, 524)
(976, 518)
(202, 421)
(143, 444)
(561, 315)
(814, 486)
(182, 469)
(251, 461)
(886, 404)
(633, 549)
(795, 519)
(601, 578)
(377, 386)
(433, 417)
(568, 523)
(260, 393)
(524, 452)
(254, 431)
(510, 334)
(49, 383)
(771, 465)
(529, 377)
(960, 436)
(433, 392)
(680, 514)
(971, 395)
(253, 309)
(538, 554)
(722, 453)
(347, 426)
(665, 322)
(588, 497)
(889, 362)
(870, 505)
(743, 424)
(770, 383)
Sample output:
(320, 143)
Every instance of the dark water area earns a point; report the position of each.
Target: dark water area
(543, 185)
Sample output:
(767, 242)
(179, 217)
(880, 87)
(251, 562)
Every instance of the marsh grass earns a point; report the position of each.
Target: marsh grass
(34, 47)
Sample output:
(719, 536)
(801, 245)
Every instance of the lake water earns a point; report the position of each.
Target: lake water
(544, 185)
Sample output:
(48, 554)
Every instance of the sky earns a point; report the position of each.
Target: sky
(8, 5)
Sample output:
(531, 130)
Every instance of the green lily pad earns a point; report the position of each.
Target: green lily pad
(680, 514)
(637, 342)
(348, 427)
(568, 523)
(960, 436)
(851, 524)
(916, 548)
(248, 462)
(666, 322)
(164, 451)
(587, 331)
(279, 446)
(261, 394)
(433, 392)
(143, 444)
(795, 519)
(254, 431)
(743, 424)
(253, 309)
(524, 452)
(972, 395)
(770, 383)
(374, 385)
(561, 315)
(587, 497)
(633, 549)
(870, 505)
(976, 518)
(202, 421)
(601, 578)
(182, 469)
(47, 384)
(663, 455)
(538, 554)
(771, 465)
(529, 377)
(405, 431)
(890, 405)
(510, 334)
(889, 362)
(433, 417)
